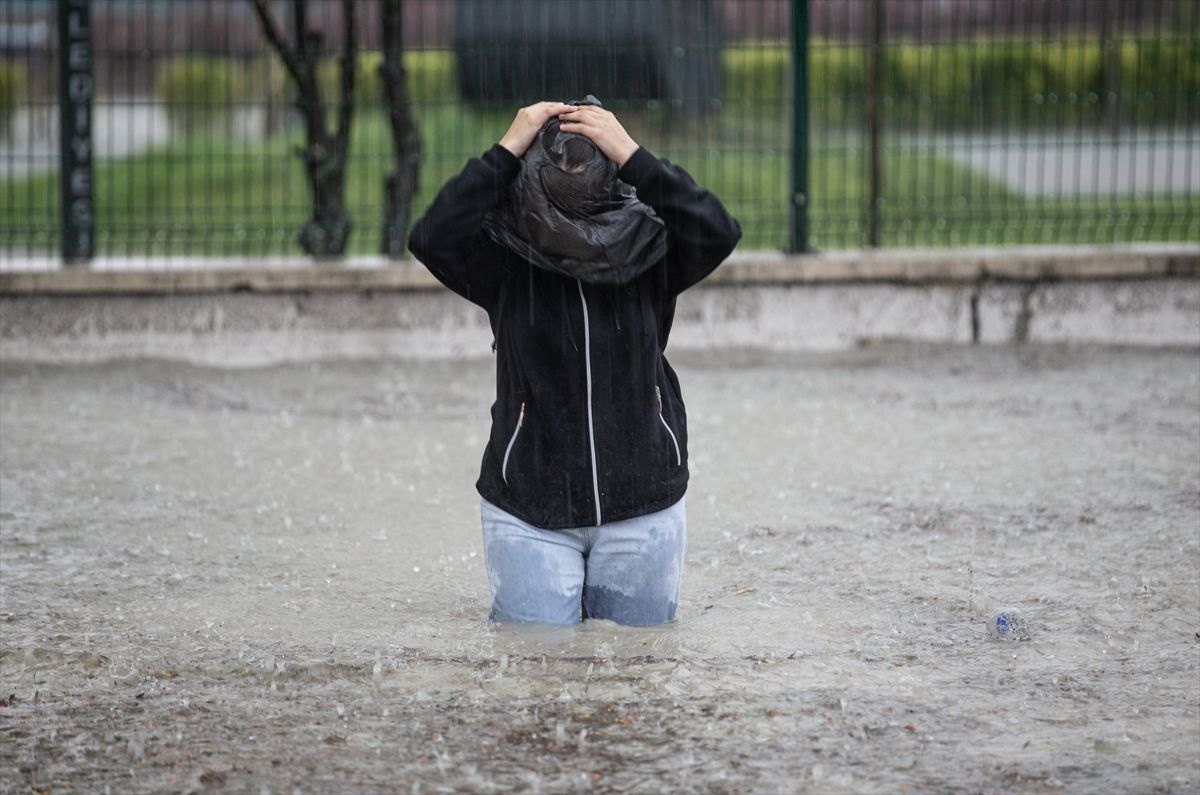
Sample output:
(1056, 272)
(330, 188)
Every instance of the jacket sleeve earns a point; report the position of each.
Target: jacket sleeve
(701, 232)
(449, 238)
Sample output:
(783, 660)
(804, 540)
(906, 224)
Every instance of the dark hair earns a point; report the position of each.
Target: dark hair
(576, 152)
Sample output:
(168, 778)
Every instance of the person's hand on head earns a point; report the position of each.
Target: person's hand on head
(602, 128)
(527, 123)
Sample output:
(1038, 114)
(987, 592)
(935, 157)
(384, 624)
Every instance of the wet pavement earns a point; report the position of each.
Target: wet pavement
(270, 580)
(1080, 163)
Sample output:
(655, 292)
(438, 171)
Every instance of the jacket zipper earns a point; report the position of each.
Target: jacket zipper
(587, 354)
(663, 420)
(512, 440)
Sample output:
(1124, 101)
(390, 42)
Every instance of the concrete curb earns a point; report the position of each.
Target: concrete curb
(895, 266)
(226, 315)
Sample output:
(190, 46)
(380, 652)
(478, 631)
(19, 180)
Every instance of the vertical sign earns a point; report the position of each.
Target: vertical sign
(76, 86)
(874, 123)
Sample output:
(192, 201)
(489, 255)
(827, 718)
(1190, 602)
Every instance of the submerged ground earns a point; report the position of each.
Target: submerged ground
(270, 580)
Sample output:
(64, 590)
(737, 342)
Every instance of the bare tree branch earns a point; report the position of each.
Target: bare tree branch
(401, 182)
(275, 37)
(300, 20)
(308, 87)
(326, 232)
(349, 67)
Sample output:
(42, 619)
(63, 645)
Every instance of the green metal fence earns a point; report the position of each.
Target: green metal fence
(920, 122)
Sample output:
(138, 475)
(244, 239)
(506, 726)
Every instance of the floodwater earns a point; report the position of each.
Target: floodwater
(271, 580)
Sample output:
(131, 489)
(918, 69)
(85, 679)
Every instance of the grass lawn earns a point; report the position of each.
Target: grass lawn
(211, 195)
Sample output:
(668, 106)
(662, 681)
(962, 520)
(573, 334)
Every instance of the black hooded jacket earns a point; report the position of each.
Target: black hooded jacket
(589, 424)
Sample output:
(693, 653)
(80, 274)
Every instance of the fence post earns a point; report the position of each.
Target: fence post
(874, 113)
(798, 242)
(76, 87)
(1110, 66)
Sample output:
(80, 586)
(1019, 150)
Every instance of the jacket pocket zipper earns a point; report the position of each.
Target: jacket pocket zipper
(511, 441)
(663, 420)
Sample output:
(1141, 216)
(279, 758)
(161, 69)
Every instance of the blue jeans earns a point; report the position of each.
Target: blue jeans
(627, 571)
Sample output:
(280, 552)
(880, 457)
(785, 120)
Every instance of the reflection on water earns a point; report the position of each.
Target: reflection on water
(268, 579)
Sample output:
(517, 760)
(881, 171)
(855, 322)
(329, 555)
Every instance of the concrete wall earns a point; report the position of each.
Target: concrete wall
(225, 314)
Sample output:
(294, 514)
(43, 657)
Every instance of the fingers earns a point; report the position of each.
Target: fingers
(542, 112)
(526, 124)
(592, 122)
(595, 123)
(603, 129)
(586, 114)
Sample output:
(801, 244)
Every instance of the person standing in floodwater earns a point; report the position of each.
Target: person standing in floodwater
(577, 241)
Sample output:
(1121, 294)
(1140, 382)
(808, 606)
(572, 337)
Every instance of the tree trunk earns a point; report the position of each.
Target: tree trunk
(325, 234)
(401, 182)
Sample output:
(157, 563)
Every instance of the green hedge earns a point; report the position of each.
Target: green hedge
(962, 84)
(200, 92)
(428, 74)
(975, 83)
(12, 78)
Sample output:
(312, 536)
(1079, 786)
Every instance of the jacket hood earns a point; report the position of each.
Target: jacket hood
(567, 212)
